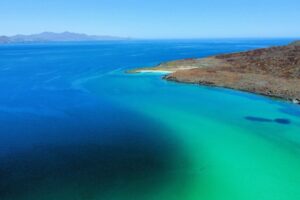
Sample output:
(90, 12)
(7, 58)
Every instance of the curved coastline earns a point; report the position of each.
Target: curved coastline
(272, 72)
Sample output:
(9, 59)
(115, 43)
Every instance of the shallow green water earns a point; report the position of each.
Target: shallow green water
(74, 126)
(223, 154)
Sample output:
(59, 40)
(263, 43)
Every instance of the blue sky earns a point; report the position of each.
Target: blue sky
(154, 18)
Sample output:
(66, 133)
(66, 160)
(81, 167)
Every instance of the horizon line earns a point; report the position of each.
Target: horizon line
(163, 38)
(158, 38)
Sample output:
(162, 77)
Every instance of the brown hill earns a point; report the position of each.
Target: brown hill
(271, 71)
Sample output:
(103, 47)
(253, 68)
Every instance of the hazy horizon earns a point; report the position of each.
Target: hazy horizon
(154, 20)
(165, 38)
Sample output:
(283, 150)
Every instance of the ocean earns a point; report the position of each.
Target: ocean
(75, 126)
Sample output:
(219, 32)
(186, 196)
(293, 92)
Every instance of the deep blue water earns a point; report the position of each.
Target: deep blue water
(55, 132)
(40, 100)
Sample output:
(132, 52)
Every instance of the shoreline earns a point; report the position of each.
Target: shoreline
(155, 71)
(277, 98)
(272, 72)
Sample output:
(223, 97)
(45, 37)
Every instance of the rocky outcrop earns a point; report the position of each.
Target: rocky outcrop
(271, 71)
(296, 43)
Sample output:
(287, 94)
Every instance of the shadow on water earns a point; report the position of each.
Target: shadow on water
(134, 158)
(267, 120)
(87, 170)
(279, 135)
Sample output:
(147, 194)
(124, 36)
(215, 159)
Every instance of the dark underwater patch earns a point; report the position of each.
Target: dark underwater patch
(87, 169)
(267, 120)
(258, 119)
(282, 121)
(126, 152)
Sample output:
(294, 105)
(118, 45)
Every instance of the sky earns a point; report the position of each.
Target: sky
(154, 18)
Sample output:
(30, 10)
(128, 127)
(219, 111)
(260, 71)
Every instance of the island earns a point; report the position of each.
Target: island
(56, 37)
(273, 71)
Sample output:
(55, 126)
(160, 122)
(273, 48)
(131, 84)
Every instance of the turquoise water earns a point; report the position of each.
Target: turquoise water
(75, 126)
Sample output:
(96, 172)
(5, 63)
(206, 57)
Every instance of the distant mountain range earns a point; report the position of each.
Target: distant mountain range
(56, 37)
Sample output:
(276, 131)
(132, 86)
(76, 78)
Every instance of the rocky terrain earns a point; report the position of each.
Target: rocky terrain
(296, 43)
(271, 71)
